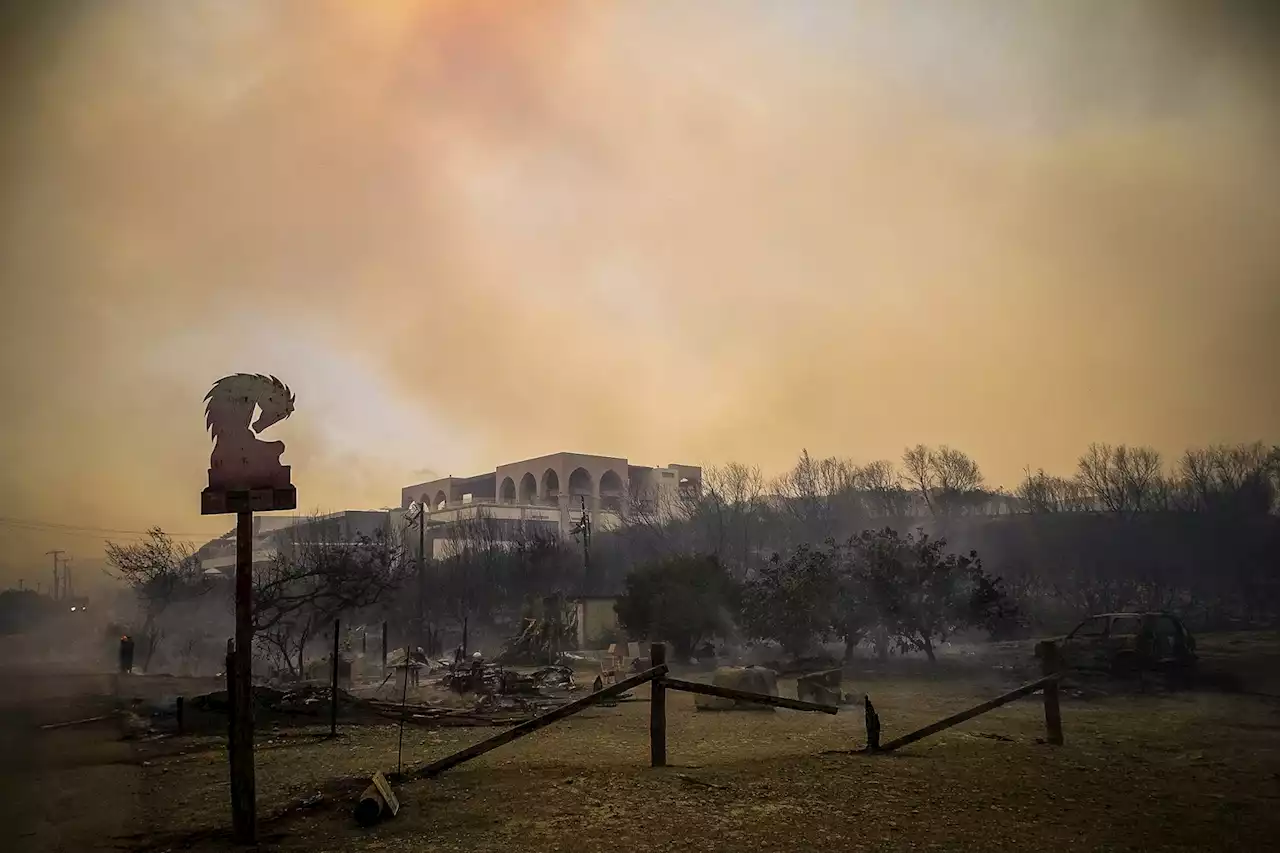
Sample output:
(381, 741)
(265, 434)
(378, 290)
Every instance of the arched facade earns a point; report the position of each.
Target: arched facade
(612, 491)
(528, 488)
(563, 479)
(507, 491)
(550, 484)
(581, 483)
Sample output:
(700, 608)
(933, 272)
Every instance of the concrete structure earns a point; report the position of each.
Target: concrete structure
(558, 484)
(596, 618)
(547, 493)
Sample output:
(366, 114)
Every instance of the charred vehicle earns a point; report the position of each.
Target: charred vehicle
(1128, 643)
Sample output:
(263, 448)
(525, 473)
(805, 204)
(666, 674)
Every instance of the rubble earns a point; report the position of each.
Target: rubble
(542, 637)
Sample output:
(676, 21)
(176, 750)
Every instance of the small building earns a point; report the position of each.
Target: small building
(596, 618)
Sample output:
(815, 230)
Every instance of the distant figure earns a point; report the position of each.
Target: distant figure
(126, 654)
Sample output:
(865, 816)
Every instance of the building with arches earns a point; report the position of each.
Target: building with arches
(551, 490)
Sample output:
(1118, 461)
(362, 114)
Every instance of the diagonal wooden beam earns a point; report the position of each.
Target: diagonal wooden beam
(745, 696)
(976, 710)
(502, 738)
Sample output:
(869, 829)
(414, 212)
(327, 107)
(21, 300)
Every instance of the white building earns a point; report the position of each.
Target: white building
(549, 492)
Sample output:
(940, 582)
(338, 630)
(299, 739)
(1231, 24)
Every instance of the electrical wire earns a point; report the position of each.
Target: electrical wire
(37, 526)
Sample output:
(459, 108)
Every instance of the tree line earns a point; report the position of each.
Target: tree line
(830, 549)
(1125, 530)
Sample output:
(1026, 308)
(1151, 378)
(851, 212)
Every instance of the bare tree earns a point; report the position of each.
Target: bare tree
(1240, 478)
(819, 497)
(315, 575)
(161, 573)
(917, 468)
(881, 486)
(948, 480)
(726, 518)
(1123, 479)
(959, 480)
(1041, 492)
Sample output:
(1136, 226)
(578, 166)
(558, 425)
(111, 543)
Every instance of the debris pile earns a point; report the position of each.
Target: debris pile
(307, 699)
(492, 678)
(546, 631)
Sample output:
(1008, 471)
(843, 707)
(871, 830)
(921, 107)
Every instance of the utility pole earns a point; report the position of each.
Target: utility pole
(420, 620)
(583, 528)
(56, 554)
(422, 580)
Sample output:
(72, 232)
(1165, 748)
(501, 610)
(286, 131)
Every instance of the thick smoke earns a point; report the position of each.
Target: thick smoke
(472, 231)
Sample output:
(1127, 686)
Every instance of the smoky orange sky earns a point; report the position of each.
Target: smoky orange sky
(470, 232)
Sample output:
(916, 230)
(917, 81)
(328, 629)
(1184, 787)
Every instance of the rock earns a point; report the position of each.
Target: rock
(752, 679)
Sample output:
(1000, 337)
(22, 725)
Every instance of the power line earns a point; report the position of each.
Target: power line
(58, 527)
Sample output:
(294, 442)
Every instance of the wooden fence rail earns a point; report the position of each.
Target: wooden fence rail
(541, 721)
(745, 696)
(976, 710)
(659, 683)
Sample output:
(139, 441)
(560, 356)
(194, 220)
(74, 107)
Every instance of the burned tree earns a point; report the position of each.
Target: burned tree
(161, 573)
(792, 601)
(1122, 479)
(948, 480)
(315, 575)
(922, 593)
(684, 600)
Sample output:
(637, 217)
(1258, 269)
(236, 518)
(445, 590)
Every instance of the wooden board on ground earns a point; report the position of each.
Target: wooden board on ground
(384, 788)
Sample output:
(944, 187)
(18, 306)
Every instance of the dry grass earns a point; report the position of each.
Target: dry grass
(1170, 772)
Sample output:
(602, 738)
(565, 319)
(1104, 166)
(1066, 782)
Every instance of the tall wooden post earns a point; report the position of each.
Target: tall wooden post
(243, 797)
(1051, 664)
(384, 645)
(657, 709)
(333, 687)
(245, 476)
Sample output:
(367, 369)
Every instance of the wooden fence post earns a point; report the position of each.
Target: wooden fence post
(333, 697)
(657, 709)
(244, 809)
(384, 645)
(178, 713)
(1051, 664)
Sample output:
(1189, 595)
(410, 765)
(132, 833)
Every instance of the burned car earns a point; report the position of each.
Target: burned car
(1128, 643)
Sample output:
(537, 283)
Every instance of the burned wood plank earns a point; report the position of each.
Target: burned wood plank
(86, 720)
(745, 696)
(969, 714)
(519, 731)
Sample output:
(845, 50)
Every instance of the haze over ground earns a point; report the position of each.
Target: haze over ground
(473, 232)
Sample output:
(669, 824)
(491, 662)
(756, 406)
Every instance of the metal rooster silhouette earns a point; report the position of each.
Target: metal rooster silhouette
(240, 461)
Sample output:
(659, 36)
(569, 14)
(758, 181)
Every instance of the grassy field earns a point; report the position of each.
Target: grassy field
(1189, 771)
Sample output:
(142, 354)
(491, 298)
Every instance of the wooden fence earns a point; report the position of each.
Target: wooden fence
(656, 677)
(1048, 682)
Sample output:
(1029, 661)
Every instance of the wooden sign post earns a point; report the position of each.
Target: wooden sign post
(245, 475)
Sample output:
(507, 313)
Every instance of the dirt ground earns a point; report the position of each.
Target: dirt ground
(1187, 771)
